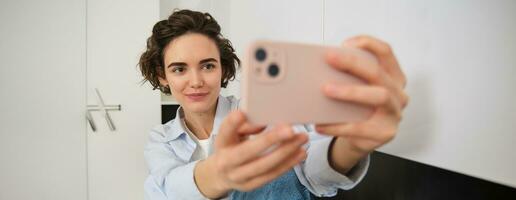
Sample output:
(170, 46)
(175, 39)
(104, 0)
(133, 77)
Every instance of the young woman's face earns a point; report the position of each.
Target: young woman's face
(193, 72)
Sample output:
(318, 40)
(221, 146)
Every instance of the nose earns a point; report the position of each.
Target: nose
(196, 79)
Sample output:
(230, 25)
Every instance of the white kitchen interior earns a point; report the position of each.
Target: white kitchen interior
(74, 116)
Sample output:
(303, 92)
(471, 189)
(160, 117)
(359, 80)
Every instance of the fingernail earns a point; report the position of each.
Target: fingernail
(331, 55)
(351, 42)
(285, 132)
(303, 138)
(319, 129)
(235, 116)
(330, 88)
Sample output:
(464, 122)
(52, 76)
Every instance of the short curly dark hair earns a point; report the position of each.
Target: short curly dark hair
(182, 22)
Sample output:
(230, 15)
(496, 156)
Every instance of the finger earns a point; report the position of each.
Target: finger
(286, 151)
(273, 174)
(250, 149)
(367, 95)
(367, 131)
(250, 129)
(366, 70)
(383, 52)
(357, 65)
(228, 129)
(405, 99)
(374, 96)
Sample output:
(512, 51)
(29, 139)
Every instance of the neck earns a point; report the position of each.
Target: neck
(201, 124)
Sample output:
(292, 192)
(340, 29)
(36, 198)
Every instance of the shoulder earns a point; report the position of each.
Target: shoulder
(162, 132)
(158, 133)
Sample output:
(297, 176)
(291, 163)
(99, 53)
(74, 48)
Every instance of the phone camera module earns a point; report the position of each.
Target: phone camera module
(260, 54)
(273, 70)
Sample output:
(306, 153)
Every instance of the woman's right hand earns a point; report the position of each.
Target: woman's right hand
(246, 164)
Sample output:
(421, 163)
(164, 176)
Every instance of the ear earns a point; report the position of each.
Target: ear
(162, 81)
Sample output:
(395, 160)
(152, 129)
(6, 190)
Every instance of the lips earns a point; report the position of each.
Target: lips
(197, 96)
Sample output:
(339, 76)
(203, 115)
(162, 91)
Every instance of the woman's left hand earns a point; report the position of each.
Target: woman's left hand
(385, 93)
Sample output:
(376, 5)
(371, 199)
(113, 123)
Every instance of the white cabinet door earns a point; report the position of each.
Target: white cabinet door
(459, 60)
(116, 36)
(43, 97)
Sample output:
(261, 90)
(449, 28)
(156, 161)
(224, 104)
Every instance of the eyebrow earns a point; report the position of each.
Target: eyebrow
(184, 64)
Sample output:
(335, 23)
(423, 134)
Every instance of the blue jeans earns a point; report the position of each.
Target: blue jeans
(286, 186)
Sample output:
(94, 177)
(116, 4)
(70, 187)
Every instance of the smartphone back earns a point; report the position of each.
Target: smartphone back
(282, 83)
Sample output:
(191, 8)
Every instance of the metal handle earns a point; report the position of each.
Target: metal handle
(104, 109)
(107, 107)
(90, 121)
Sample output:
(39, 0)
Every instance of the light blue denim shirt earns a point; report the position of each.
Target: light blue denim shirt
(169, 151)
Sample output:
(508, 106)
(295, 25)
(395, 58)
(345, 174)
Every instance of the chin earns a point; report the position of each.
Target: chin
(201, 106)
(198, 108)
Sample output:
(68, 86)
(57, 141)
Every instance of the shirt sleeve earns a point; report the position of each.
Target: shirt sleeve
(316, 174)
(169, 177)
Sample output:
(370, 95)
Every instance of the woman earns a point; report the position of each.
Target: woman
(205, 152)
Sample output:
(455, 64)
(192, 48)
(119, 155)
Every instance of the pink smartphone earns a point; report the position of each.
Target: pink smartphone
(282, 83)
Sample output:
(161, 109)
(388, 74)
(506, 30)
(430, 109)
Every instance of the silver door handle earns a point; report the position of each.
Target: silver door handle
(104, 109)
(107, 107)
(90, 121)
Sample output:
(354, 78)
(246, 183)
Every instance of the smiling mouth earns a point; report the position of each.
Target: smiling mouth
(197, 96)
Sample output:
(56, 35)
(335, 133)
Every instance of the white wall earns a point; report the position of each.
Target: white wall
(458, 57)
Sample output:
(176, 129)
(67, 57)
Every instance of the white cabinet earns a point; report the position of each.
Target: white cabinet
(43, 99)
(54, 54)
(117, 32)
(459, 60)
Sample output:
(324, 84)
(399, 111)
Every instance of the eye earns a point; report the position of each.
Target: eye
(208, 66)
(178, 69)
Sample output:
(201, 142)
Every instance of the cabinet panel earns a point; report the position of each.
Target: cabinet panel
(43, 97)
(117, 33)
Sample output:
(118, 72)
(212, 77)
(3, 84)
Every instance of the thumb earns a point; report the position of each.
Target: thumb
(228, 129)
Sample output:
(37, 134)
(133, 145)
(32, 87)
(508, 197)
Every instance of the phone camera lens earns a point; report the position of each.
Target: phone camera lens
(273, 70)
(260, 54)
